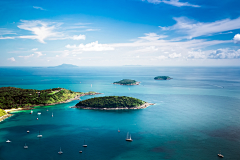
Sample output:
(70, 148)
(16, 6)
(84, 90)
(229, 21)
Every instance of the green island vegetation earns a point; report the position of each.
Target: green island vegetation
(111, 102)
(2, 112)
(162, 78)
(11, 97)
(127, 82)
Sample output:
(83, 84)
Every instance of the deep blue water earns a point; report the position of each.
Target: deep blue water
(197, 113)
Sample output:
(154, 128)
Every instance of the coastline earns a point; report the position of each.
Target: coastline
(145, 105)
(137, 83)
(31, 107)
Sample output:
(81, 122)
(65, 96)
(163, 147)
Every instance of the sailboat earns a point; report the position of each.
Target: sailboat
(31, 112)
(129, 139)
(52, 114)
(8, 141)
(39, 135)
(220, 155)
(84, 145)
(25, 147)
(118, 130)
(39, 113)
(60, 152)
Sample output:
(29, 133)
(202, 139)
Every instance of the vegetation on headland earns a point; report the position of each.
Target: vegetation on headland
(11, 97)
(111, 102)
(2, 112)
(162, 78)
(127, 82)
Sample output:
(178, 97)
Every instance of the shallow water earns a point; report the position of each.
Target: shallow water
(195, 115)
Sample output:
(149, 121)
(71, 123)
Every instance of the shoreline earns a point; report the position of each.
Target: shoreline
(137, 83)
(32, 107)
(145, 105)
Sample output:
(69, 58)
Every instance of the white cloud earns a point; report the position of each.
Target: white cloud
(152, 37)
(7, 37)
(34, 49)
(36, 7)
(175, 55)
(196, 55)
(4, 31)
(39, 54)
(173, 3)
(225, 54)
(90, 29)
(162, 57)
(41, 30)
(78, 37)
(11, 59)
(26, 56)
(196, 29)
(93, 46)
(236, 38)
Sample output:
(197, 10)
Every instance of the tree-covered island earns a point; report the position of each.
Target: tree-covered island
(162, 78)
(11, 97)
(112, 103)
(127, 82)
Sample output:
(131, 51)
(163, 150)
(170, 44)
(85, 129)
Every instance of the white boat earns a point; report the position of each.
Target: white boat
(80, 151)
(129, 139)
(118, 130)
(60, 152)
(52, 114)
(31, 112)
(220, 155)
(39, 135)
(25, 147)
(28, 131)
(8, 141)
(39, 113)
(84, 145)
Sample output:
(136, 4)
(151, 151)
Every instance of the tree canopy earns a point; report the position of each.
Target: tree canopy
(126, 82)
(11, 97)
(162, 78)
(111, 102)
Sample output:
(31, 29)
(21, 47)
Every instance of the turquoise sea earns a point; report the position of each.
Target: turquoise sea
(196, 114)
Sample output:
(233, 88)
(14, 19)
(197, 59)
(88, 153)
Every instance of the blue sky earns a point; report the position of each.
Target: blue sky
(120, 32)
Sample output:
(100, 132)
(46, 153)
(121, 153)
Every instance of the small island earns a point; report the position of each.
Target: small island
(127, 82)
(162, 78)
(12, 98)
(112, 103)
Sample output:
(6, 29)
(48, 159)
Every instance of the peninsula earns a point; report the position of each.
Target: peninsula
(127, 82)
(12, 98)
(162, 78)
(112, 103)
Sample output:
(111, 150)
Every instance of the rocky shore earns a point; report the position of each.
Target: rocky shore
(145, 105)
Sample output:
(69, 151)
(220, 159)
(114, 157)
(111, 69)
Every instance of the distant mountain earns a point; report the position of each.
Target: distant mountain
(65, 66)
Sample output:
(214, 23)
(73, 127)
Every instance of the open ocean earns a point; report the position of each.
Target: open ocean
(196, 114)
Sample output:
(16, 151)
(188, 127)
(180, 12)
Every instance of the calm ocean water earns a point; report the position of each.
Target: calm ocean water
(196, 115)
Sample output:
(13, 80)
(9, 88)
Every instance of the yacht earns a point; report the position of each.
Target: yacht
(28, 131)
(129, 139)
(39, 135)
(60, 152)
(80, 151)
(8, 141)
(118, 130)
(220, 155)
(31, 112)
(52, 114)
(25, 147)
(39, 113)
(84, 145)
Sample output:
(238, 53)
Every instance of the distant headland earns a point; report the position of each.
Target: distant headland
(65, 66)
(127, 82)
(112, 103)
(162, 78)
